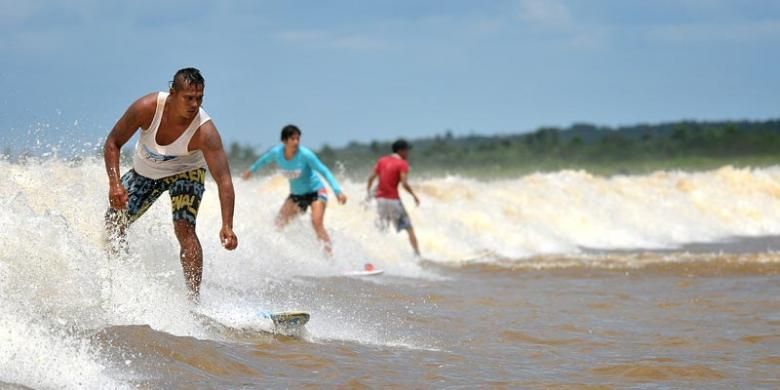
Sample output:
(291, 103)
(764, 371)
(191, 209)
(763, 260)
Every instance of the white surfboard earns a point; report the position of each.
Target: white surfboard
(286, 319)
(288, 323)
(368, 270)
(365, 273)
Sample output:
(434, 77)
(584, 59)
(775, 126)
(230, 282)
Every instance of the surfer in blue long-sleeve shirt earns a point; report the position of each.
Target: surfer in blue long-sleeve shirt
(300, 166)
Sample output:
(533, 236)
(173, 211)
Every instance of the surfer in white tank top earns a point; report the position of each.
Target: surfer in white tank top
(178, 140)
(157, 161)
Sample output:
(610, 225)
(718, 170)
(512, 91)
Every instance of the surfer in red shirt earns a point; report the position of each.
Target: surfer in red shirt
(392, 170)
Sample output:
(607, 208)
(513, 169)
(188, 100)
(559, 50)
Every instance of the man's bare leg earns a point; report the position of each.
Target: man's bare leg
(413, 241)
(318, 222)
(191, 256)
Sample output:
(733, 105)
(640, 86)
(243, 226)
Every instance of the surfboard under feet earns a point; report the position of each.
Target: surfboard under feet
(287, 319)
(368, 270)
(373, 272)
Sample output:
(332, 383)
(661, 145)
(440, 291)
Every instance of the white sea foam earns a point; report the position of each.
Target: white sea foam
(38, 352)
(54, 267)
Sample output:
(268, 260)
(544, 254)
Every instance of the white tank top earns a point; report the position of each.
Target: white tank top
(156, 161)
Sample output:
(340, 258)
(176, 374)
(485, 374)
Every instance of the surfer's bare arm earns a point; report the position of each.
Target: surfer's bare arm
(370, 183)
(137, 115)
(214, 153)
(408, 188)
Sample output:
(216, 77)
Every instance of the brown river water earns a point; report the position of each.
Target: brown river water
(712, 323)
(562, 280)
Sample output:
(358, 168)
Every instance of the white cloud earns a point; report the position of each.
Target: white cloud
(545, 13)
(552, 22)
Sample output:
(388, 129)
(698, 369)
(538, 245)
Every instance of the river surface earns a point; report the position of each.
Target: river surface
(557, 280)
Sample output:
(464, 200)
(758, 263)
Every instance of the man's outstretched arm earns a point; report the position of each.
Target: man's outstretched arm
(369, 184)
(123, 130)
(408, 188)
(261, 161)
(214, 153)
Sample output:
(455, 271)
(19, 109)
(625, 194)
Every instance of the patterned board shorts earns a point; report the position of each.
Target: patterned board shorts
(305, 200)
(185, 189)
(392, 211)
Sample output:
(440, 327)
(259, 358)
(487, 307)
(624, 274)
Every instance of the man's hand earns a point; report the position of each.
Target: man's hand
(416, 200)
(342, 198)
(246, 175)
(117, 197)
(228, 238)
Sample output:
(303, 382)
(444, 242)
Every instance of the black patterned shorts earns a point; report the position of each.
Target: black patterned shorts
(305, 200)
(186, 191)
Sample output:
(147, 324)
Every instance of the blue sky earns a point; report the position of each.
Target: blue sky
(364, 70)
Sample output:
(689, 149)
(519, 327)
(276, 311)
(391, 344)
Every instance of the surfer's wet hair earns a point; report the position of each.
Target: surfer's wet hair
(400, 145)
(187, 76)
(290, 130)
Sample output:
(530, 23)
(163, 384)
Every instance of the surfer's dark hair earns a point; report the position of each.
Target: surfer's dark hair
(289, 130)
(400, 145)
(187, 76)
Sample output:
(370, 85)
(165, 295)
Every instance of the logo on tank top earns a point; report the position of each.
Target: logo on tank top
(156, 157)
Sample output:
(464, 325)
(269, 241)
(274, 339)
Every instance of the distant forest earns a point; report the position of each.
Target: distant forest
(683, 145)
(688, 145)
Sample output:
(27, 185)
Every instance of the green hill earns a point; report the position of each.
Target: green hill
(687, 145)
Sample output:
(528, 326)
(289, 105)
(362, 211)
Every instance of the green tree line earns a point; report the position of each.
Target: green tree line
(601, 149)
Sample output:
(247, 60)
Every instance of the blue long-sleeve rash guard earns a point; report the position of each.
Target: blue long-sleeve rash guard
(299, 170)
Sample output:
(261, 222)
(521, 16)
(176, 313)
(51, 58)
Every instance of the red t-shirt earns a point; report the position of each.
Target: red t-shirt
(389, 169)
